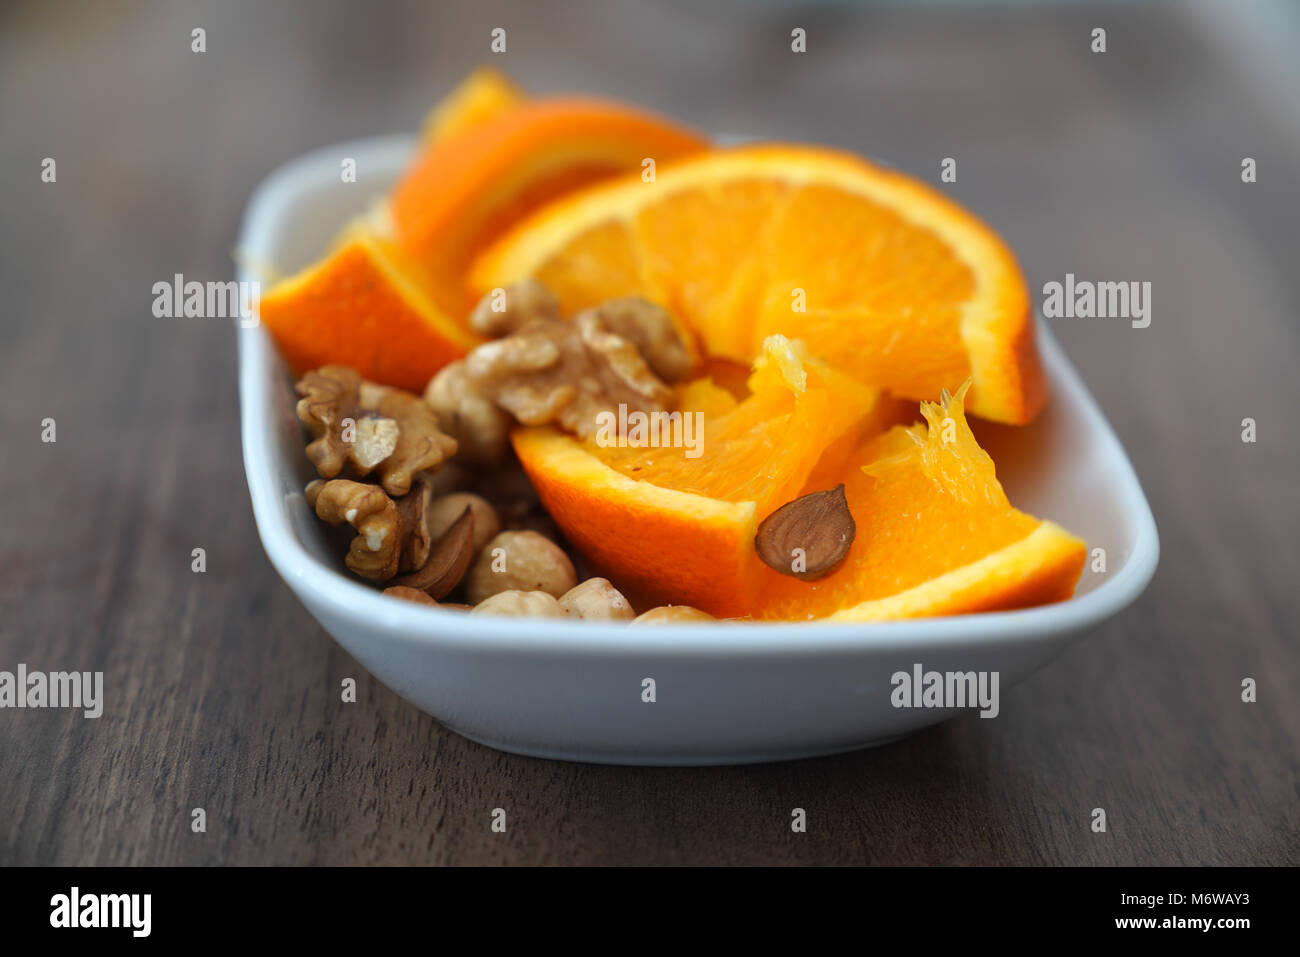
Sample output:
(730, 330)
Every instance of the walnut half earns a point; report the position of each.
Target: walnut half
(481, 430)
(649, 327)
(565, 372)
(363, 427)
(376, 551)
(329, 400)
(507, 310)
(420, 443)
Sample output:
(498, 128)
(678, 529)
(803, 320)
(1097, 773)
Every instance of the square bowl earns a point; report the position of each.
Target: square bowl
(724, 693)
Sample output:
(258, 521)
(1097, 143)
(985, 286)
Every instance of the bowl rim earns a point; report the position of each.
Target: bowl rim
(341, 598)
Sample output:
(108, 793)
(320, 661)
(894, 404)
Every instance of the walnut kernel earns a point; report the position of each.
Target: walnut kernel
(329, 397)
(650, 328)
(367, 427)
(374, 440)
(522, 302)
(471, 418)
(420, 443)
(565, 372)
(376, 551)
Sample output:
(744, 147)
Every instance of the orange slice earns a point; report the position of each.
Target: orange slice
(672, 527)
(483, 95)
(884, 277)
(465, 189)
(366, 306)
(935, 535)
(935, 532)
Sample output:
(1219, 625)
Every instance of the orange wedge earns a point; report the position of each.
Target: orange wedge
(935, 535)
(935, 532)
(466, 188)
(483, 95)
(366, 306)
(672, 527)
(884, 277)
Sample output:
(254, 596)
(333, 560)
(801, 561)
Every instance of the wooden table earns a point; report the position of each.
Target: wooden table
(222, 691)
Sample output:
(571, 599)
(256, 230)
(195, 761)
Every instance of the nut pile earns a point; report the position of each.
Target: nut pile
(541, 368)
(397, 468)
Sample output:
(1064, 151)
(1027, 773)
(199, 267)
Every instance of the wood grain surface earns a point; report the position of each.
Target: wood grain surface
(223, 692)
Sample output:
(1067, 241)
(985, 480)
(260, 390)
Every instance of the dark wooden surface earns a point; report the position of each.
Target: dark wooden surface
(223, 693)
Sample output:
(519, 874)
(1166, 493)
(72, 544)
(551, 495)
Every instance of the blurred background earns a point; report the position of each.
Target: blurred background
(1122, 165)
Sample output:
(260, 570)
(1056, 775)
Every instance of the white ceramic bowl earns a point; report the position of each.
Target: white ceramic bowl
(724, 693)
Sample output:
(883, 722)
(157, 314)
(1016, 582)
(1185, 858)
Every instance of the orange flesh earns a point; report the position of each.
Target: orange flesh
(465, 189)
(364, 305)
(926, 501)
(922, 507)
(760, 450)
(862, 292)
(886, 282)
(883, 277)
(483, 95)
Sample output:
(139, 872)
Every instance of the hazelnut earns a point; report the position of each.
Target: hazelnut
(409, 594)
(520, 604)
(672, 615)
(520, 561)
(421, 598)
(481, 430)
(445, 509)
(596, 600)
